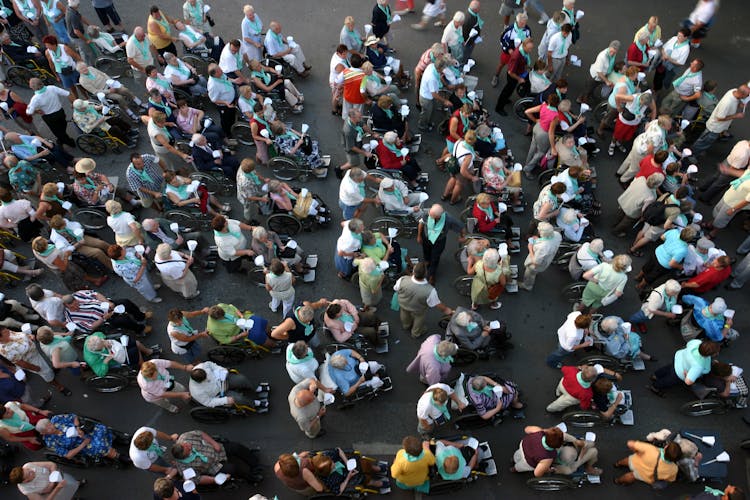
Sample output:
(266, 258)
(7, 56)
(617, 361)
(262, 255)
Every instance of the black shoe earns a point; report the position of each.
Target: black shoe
(656, 391)
(501, 112)
(321, 433)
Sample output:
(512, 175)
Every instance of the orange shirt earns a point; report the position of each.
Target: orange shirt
(352, 81)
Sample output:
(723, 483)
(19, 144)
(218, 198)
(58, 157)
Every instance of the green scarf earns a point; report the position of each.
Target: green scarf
(442, 359)
(393, 149)
(644, 51)
(142, 174)
(520, 33)
(434, 228)
(544, 444)
(584, 384)
(354, 34)
(526, 56)
(253, 177)
(223, 80)
(294, 360)
(143, 46)
(387, 11)
(488, 211)
(443, 408)
(412, 458)
(308, 326)
(479, 22)
(738, 181)
(687, 74)
(193, 455)
(486, 390)
(50, 249)
(185, 326)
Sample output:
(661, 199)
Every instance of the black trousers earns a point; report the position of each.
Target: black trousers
(132, 319)
(227, 117)
(718, 184)
(666, 377)
(432, 253)
(58, 125)
(504, 97)
(241, 461)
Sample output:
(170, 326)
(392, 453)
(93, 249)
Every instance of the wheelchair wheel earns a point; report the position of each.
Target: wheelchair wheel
(703, 407)
(285, 224)
(574, 291)
(470, 421)
(521, 105)
(601, 359)
(108, 383)
(445, 487)
(286, 70)
(583, 418)
(545, 177)
(381, 225)
(372, 185)
(183, 147)
(257, 276)
(200, 64)
(549, 483)
(443, 323)
(91, 144)
(18, 75)
(208, 415)
(226, 355)
(464, 357)
(462, 284)
(114, 67)
(465, 213)
(563, 260)
(241, 131)
(600, 111)
(212, 184)
(185, 219)
(91, 218)
(284, 168)
(69, 462)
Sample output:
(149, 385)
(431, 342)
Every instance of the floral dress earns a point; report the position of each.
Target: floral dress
(285, 143)
(60, 444)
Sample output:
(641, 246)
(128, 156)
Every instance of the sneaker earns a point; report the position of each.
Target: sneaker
(270, 306)
(543, 19)
(494, 81)
(156, 300)
(611, 149)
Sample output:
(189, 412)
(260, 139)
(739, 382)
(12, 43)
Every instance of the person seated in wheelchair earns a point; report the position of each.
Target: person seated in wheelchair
(493, 218)
(343, 320)
(207, 159)
(579, 183)
(538, 78)
(62, 435)
(282, 197)
(575, 454)
(589, 255)
(222, 326)
(156, 80)
(584, 145)
(472, 332)
(607, 398)
(184, 77)
(349, 371)
(573, 224)
(455, 461)
(95, 82)
(191, 121)
(106, 43)
(618, 339)
(707, 320)
(330, 468)
(17, 421)
(267, 80)
(102, 354)
(19, 54)
(33, 148)
(182, 192)
(461, 96)
(24, 178)
(393, 155)
(267, 244)
(474, 251)
(386, 115)
(491, 142)
(377, 54)
(728, 381)
(375, 85)
(397, 199)
(574, 387)
(197, 43)
(91, 119)
(690, 460)
(490, 398)
(297, 145)
(212, 385)
(93, 189)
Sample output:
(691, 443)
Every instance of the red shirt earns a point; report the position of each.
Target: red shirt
(352, 80)
(517, 63)
(388, 158)
(709, 279)
(456, 117)
(574, 388)
(647, 167)
(635, 54)
(484, 224)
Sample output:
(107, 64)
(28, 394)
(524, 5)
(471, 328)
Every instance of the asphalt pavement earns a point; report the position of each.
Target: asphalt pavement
(533, 318)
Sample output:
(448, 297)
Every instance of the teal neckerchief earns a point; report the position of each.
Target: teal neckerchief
(583, 383)
(189, 33)
(253, 177)
(434, 228)
(228, 317)
(687, 74)
(676, 46)
(161, 82)
(71, 234)
(669, 302)
(543, 77)
(563, 47)
(706, 312)
(196, 11)
(651, 34)
(339, 468)
(571, 15)
(278, 38)
(397, 193)
(344, 318)
(738, 181)
(713, 491)
(526, 56)
(142, 174)
(52, 198)
(90, 75)
(255, 25)
(393, 149)
(262, 121)
(262, 75)
(156, 449)
(631, 86)
(442, 359)
(185, 326)
(41, 90)
(128, 260)
(486, 390)
(182, 69)
(358, 128)
(464, 122)
(143, 46)
(480, 22)
(354, 34)
(16, 421)
(250, 102)
(308, 326)
(644, 51)
(387, 12)
(193, 455)
(610, 62)
(163, 23)
(544, 444)
(388, 113)
(220, 234)
(488, 211)
(709, 96)
(181, 190)
(88, 183)
(443, 408)
(159, 105)
(520, 33)
(294, 360)
(223, 80)
(412, 458)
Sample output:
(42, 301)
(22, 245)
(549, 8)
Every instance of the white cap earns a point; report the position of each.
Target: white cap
(582, 141)
(599, 369)
(502, 207)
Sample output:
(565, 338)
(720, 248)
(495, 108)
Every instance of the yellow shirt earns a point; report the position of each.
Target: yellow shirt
(412, 473)
(734, 196)
(157, 42)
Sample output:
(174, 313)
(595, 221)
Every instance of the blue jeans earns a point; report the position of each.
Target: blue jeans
(555, 358)
(741, 272)
(639, 317)
(344, 265)
(193, 352)
(744, 246)
(348, 210)
(705, 141)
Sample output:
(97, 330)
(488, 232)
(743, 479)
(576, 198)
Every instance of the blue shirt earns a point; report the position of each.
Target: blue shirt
(673, 248)
(712, 325)
(688, 362)
(345, 377)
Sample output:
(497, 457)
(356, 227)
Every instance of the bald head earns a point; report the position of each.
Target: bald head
(35, 83)
(474, 6)
(304, 398)
(139, 33)
(436, 211)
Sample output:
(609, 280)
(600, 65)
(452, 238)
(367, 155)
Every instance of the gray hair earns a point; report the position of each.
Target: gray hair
(478, 383)
(614, 44)
(446, 348)
(672, 286)
(357, 174)
(491, 257)
(367, 265)
(545, 229)
(390, 137)
(163, 251)
(305, 314)
(149, 224)
(259, 232)
(463, 318)
(42, 425)
(81, 65)
(597, 245)
(655, 180)
(95, 343)
(459, 17)
(609, 324)
(197, 137)
(356, 225)
(337, 361)
(521, 16)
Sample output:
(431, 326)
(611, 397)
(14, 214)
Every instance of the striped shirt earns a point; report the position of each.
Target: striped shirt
(89, 311)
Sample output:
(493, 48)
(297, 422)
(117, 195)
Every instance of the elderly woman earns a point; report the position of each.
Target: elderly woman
(667, 258)
(282, 196)
(68, 236)
(300, 324)
(179, 193)
(104, 41)
(268, 245)
(542, 250)
(491, 218)
(56, 346)
(572, 223)
(266, 79)
(618, 339)
(629, 119)
(59, 262)
(20, 349)
(606, 283)
(94, 189)
(221, 325)
(659, 302)
(490, 398)
(300, 362)
(653, 139)
(33, 482)
(133, 269)
(89, 118)
(63, 59)
(377, 54)
(208, 159)
(391, 157)
(101, 354)
(156, 80)
(464, 173)
(497, 177)
(174, 268)
(95, 443)
(375, 85)
(351, 37)
(649, 463)
(548, 204)
(634, 201)
(376, 246)
(489, 280)
(342, 319)
(300, 146)
(183, 76)
(250, 192)
(469, 329)
(127, 230)
(474, 251)
(191, 121)
(162, 141)
(280, 286)
(370, 283)
(17, 422)
(50, 204)
(344, 370)
(386, 116)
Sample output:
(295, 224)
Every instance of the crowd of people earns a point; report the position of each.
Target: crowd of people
(656, 110)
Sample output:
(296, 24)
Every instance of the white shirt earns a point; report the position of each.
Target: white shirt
(50, 307)
(14, 212)
(141, 53)
(391, 201)
(678, 54)
(229, 244)
(220, 90)
(208, 392)
(229, 62)
(47, 102)
(568, 335)
(552, 28)
(188, 41)
(178, 73)
(585, 259)
(691, 84)
(335, 76)
(432, 299)
(120, 224)
(450, 35)
(728, 105)
(601, 65)
(300, 371)
(173, 267)
(349, 191)
(60, 241)
(143, 459)
(425, 409)
(347, 242)
(272, 44)
(703, 12)
(430, 82)
(559, 45)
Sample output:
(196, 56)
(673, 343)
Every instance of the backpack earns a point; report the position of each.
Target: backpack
(654, 214)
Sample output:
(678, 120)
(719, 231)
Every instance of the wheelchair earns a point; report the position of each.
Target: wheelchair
(362, 393)
(469, 418)
(287, 224)
(524, 103)
(257, 274)
(242, 132)
(20, 74)
(573, 292)
(591, 418)
(486, 467)
(199, 59)
(98, 142)
(287, 168)
(236, 353)
(287, 71)
(713, 404)
(356, 488)
(120, 441)
(462, 284)
(115, 65)
(358, 342)
(215, 180)
(190, 218)
(559, 482)
(221, 414)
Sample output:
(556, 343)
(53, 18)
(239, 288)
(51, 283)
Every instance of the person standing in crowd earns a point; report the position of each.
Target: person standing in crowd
(519, 64)
(141, 54)
(432, 234)
(415, 295)
(108, 15)
(730, 108)
(348, 246)
(600, 70)
(76, 23)
(542, 250)
(46, 102)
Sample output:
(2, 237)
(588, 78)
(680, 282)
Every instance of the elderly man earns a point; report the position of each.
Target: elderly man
(730, 108)
(634, 201)
(222, 93)
(348, 247)
(145, 177)
(574, 387)
(213, 385)
(619, 340)
(184, 76)
(47, 304)
(232, 244)
(195, 42)
(46, 102)
(75, 24)
(159, 387)
(415, 296)
(659, 302)
(352, 199)
(490, 398)
(147, 453)
(651, 141)
(471, 331)
(572, 336)
(433, 360)
(685, 89)
(600, 70)
(300, 361)
(159, 230)
(252, 33)
(432, 408)
(207, 159)
(87, 310)
(395, 197)
(95, 82)
(305, 407)
(348, 373)
(140, 54)
(542, 250)
(707, 320)
(429, 92)
(432, 234)
(198, 451)
(453, 36)
(287, 49)
(735, 199)
(474, 22)
(354, 131)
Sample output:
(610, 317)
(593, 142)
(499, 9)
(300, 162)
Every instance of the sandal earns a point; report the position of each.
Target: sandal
(635, 253)
(65, 391)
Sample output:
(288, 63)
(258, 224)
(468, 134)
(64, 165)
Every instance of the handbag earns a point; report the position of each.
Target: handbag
(494, 291)
(66, 71)
(609, 298)
(658, 484)
(514, 179)
(627, 114)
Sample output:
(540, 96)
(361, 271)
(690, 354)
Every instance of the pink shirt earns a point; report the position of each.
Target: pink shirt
(546, 115)
(186, 123)
(154, 389)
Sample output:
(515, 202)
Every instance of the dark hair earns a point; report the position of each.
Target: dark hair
(721, 369)
(198, 374)
(175, 314)
(16, 475)
(412, 444)
(163, 487)
(554, 436)
(566, 28)
(684, 31)
(277, 267)
(134, 156)
(35, 292)
(561, 83)
(619, 66)
(368, 238)
(178, 451)
(114, 251)
(661, 156)
(356, 61)
(218, 222)
(420, 271)
(333, 310)
(150, 68)
(234, 43)
(681, 192)
(342, 48)
(154, 9)
(710, 85)
(6, 196)
(553, 99)
(181, 102)
(700, 62)
(50, 39)
(672, 452)
(709, 348)
(602, 385)
(558, 188)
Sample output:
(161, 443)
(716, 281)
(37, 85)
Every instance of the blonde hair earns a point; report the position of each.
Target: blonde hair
(113, 207)
(49, 189)
(163, 251)
(621, 262)
(148, 369)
